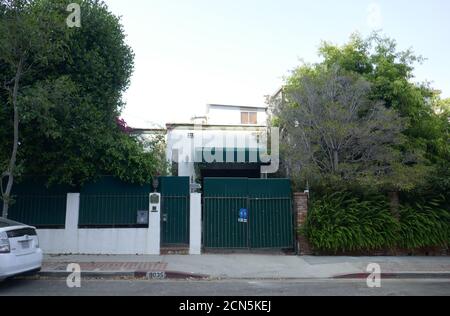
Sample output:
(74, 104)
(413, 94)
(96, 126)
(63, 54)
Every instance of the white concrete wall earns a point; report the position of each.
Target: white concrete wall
(127, 241)
(72, 240)
(56, 241)
(227, 115)
(195, 240)
(154, 227)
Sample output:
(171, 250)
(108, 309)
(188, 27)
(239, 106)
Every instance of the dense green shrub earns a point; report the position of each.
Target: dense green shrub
(343, 222)
(424, 224)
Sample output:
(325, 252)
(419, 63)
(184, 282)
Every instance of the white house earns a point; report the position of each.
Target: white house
(226, 142)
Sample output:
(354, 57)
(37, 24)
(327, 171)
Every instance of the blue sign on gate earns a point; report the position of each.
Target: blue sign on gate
(243, 215)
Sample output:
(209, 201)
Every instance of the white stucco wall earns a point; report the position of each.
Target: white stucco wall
(127, 241)
(223, 130)
(195, 238)
(231, 115)
(72, 240)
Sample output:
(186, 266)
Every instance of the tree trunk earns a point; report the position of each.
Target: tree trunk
(394, 201)
(9, 174)
(335, 161)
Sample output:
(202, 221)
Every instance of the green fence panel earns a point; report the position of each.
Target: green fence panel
(174, 186)
(175, 210)
(36, 204)
(223, 200)
(109, 185)
(112, 203)
(269, 188)
(270, 216)
(271, 223)
(225, 187)
(111, 211)
(221, 226)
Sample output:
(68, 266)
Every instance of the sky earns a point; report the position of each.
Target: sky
(189, 53)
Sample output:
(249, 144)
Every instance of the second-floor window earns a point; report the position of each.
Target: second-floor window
(249, 118)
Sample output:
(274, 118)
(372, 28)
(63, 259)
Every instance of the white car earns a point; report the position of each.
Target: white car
(19, 249)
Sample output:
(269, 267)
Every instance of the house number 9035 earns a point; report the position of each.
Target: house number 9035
(157, 275)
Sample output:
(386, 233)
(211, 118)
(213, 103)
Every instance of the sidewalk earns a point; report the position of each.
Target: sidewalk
(238, 266)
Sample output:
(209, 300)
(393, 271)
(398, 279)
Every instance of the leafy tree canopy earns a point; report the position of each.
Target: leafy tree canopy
(332, 130)
(69, 100)
(389, 71)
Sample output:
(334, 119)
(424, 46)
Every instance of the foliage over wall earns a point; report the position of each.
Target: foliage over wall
(350, 166)
(69, 105)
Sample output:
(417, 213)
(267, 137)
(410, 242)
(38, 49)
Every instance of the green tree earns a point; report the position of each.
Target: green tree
(390, 71)
(424, 153)
(29, 36)
(72, 136)
(332, 130)
(70, 99)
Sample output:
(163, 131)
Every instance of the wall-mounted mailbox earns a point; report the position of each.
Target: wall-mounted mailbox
(155, 202)
(142, 217)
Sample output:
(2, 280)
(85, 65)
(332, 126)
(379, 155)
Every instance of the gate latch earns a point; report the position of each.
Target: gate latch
(164, 218)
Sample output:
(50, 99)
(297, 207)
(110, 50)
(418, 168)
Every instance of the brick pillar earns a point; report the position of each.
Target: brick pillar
(301, 209)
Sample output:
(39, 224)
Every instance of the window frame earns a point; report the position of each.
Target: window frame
(249, 117)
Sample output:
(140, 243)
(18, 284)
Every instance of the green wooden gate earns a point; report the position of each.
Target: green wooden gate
(175, 206)
(268, 204)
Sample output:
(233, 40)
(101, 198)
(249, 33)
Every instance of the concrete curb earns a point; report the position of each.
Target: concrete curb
(176, 275)
(171, 275)
(400, 275)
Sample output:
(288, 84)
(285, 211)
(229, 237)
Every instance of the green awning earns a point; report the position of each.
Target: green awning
(229, 155)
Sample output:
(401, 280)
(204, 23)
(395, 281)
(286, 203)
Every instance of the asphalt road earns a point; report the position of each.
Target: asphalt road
(29, 287)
